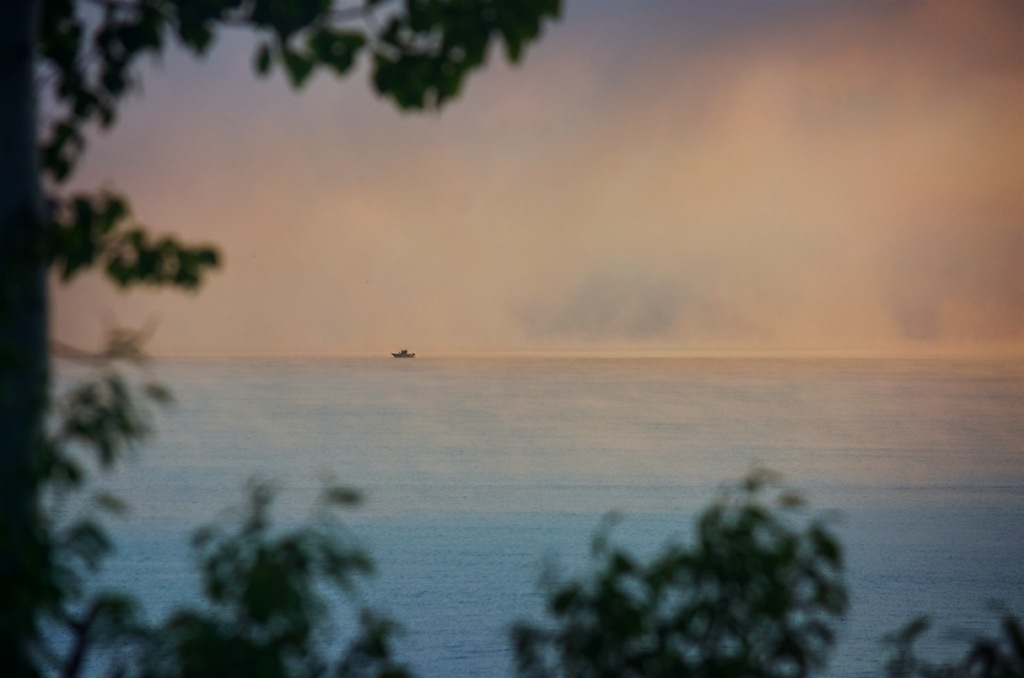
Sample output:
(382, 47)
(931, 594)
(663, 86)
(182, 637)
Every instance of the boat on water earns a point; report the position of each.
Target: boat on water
(404, 354)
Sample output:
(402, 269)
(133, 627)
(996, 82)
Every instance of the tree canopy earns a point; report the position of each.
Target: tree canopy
(65, 68)
(420, 52)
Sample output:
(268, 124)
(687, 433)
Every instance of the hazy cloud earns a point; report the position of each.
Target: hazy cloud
(611, 307)
(761, 174)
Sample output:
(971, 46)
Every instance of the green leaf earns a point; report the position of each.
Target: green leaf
(158, 393)
(343, 496)
(111, 503)
(336, 49)
(299, 68)
(288, 17)
(262, 62)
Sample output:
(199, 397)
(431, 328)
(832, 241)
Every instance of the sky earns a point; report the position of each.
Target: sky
(655, 176)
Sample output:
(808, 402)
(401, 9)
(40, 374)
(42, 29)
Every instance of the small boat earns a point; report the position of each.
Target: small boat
(404, 354)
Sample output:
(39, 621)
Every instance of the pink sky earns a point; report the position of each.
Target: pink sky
(656, 176)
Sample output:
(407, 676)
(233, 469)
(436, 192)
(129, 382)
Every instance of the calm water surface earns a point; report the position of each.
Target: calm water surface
(477, 469)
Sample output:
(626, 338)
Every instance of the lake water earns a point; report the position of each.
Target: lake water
(478, 469)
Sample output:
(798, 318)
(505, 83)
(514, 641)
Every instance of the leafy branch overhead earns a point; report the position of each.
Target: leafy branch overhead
(421, 52)
(94, 230)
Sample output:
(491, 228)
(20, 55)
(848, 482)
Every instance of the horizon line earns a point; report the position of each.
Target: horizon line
(995, 353)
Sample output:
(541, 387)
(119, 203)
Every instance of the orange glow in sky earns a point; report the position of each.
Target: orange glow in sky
(657, 175)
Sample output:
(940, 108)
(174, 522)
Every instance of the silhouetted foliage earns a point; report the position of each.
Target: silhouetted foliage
(76, 59)
(757, 594)
(97, 422)
(986, 657)
(273, 598)
(90, 230)
(421, 50)
(421, 53)
(268, 612)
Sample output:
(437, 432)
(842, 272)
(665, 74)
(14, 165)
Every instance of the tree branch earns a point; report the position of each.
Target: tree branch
(80, 628)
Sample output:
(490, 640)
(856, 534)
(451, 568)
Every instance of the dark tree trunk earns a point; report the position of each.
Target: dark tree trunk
(23, 334)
